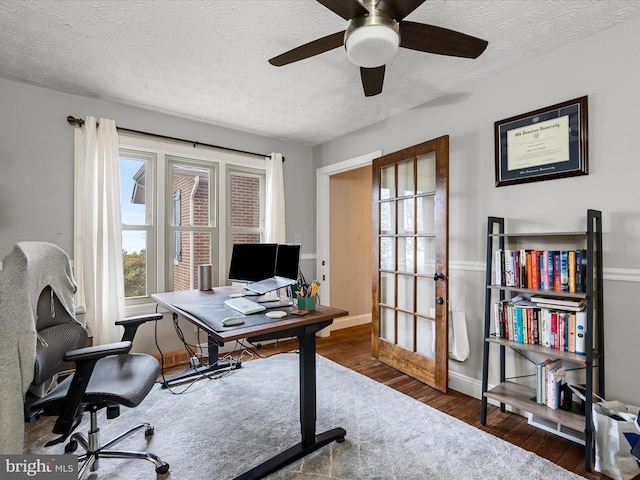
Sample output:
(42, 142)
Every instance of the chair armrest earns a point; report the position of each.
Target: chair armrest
(131, 324)
(97, 352)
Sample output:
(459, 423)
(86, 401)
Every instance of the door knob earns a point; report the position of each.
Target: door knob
(438, 276)
(439, 300)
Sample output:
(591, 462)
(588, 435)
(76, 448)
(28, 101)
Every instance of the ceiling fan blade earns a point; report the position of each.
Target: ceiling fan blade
(372, 80)
(432, 39)
(347, 9)
(310, 49)
(398, 9)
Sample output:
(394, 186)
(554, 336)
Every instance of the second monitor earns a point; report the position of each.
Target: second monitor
(265, 266)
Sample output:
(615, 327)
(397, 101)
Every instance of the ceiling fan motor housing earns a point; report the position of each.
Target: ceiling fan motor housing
(372, 40)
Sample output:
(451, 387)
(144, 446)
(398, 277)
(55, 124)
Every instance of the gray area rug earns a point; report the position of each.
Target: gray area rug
(220, 428)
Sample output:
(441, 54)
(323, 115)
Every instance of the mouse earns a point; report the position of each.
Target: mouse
(231, 321)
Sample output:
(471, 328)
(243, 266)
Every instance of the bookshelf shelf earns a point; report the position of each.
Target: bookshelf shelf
(520, 396)
(548, 351)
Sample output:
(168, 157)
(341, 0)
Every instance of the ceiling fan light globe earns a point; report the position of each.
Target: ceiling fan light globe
(372, 46)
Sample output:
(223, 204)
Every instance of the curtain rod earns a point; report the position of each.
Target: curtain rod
(71, 120)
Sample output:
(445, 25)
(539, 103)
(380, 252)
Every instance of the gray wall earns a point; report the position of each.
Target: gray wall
(36, 160)
(599, 67)
(36, 176)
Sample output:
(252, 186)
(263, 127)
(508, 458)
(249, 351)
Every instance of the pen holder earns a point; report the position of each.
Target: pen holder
(307, 303)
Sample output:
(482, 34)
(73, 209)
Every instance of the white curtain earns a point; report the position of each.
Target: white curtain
(101, 269)
(274, 209)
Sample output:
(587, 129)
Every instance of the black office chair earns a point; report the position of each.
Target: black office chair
(105, 376)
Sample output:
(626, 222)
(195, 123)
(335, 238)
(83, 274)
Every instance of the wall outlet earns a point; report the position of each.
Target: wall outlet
(297, 238)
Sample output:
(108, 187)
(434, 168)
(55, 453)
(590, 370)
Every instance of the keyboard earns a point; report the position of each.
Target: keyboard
(244, 305)
(270, 284)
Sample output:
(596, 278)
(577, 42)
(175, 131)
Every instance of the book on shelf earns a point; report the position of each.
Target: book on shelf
(581, 331)
(540, 397)
(509, 269)
(535, 270)
(524, 321)
(581, 270)
(557, 272)
(555, 378)
(499, 264)
(564, 271)
(542, 375)
(572, 271)
(525, 267)
(571, 342)
(557, 302)
(544, 270)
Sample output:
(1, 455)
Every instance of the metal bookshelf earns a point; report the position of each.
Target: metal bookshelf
(519, 396)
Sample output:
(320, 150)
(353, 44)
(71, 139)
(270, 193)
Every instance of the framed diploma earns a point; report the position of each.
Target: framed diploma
(542, 145)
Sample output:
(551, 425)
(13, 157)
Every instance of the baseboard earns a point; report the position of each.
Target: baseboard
(350, 321)
(464, 384)
(173, 359)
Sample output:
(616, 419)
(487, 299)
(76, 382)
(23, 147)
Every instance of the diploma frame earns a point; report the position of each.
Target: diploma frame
(544, 144)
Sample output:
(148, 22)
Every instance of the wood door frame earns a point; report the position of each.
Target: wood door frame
(323, 221)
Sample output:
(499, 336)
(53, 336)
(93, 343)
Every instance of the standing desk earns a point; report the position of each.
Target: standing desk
(206, 310)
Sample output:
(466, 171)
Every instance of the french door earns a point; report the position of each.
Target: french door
(410, 238)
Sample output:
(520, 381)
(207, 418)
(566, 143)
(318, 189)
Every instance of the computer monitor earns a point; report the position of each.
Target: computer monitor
(288, 260)
(252, 262)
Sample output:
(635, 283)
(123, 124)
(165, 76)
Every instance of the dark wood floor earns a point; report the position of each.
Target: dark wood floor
(351, 347)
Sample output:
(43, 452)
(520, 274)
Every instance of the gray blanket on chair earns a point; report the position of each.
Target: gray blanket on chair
(26, 271)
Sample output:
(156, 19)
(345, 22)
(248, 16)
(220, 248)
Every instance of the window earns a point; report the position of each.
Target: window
(182, 207)
(138, 225)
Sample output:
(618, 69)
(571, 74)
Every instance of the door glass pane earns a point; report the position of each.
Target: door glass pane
(405, 292)
(406, 253)
(425, 255)
(425, 218)
(190, 186)
(387, 217)
(405, 330)
(194, 250)
(405, 178)
(425, 295)
(387, 324)
(406, 223)
(425, 338)
(387, 288)
(387, 182)
(427, 173)
(387, 253)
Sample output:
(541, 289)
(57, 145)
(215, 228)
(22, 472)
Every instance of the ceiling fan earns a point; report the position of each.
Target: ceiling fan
(375, 31)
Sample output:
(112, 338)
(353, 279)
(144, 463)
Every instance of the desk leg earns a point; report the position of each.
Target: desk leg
(310, 441)
(203, 370)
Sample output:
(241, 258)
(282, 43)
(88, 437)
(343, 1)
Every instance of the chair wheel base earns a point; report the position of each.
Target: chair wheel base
(71, 447)
(162, 469)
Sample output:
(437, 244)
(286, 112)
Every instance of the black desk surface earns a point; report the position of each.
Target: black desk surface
(206, 309)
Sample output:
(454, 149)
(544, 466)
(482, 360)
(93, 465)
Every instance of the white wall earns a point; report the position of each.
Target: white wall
(600, 67)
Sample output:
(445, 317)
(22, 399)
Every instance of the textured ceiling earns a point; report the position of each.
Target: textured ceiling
(207, 60)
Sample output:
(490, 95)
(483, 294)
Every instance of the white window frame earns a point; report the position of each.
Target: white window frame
(157, 253)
